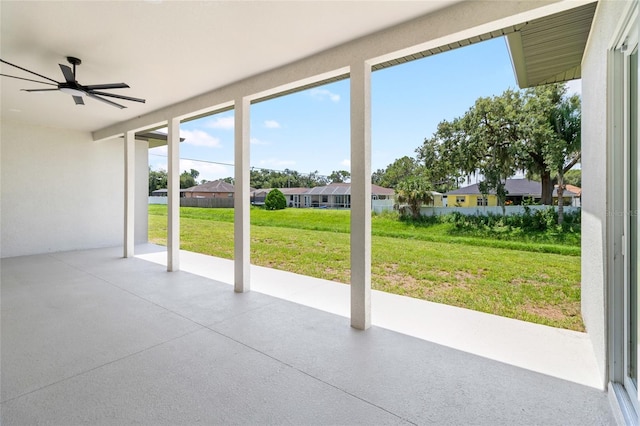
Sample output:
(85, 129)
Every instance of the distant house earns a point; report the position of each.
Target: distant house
(334, 195)
(163, 193)
(577, 200)
(436, 199)
(213, 189)
(518, 190)
(338, 195)
(292, 195)
(295, 196)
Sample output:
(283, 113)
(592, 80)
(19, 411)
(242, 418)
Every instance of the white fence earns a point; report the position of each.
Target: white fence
(196, 202)
(379, 206)
(157, 200)
(480, 211)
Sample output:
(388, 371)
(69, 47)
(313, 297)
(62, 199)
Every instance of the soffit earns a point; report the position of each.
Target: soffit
(168, 51)
(550, 49)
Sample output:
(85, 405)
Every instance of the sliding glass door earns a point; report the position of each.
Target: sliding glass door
(623, 222)
(631, 218)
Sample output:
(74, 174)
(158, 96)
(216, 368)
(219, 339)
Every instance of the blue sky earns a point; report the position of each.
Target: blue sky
(309, 130)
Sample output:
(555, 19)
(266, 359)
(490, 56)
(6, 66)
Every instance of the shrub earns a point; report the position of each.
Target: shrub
(275, 200)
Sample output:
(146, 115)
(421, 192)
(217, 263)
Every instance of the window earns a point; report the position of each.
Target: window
(624, 221)
(482, 201)
(460, 200)
(325, 198)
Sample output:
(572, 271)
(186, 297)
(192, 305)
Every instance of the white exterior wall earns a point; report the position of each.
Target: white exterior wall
(62, 191)
(595, 125)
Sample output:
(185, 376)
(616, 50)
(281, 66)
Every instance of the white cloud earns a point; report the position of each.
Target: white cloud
(574, 87)
(274, 162)
(200, 138)
(256, 141)
(322, 94)
(346, 162)
(225, 122)
(271, 124)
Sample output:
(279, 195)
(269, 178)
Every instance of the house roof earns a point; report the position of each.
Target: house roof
(514, 187)
(345, 189)
(164, 191)
(331, 189)
(213, 186)
(285, 191)
(293, 191)
(575, 189)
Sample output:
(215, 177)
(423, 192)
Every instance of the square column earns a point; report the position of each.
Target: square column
(360, 79)
(173, 194)
(129, 192)
(241, 223)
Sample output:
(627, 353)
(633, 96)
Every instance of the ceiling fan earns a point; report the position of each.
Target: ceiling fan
(75, 89)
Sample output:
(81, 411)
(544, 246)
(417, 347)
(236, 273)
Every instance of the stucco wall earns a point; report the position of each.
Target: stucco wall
(594, 176)
(62, 191)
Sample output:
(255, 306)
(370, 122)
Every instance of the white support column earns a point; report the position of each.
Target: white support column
(241, 224)
(129, 192)
(173, 194)
(361, 196)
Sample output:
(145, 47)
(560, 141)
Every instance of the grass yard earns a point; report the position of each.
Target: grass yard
(518, 278)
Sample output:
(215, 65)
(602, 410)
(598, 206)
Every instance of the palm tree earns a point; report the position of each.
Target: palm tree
(414, 191)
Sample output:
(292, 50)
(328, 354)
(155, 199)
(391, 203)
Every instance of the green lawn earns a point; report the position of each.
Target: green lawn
(519, 279)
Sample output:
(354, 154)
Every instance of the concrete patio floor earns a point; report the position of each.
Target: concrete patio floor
(91, 338)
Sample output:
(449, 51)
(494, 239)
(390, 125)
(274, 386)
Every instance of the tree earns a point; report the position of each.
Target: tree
(398, 171)
(414, 191)
(377, 177)
(340, 176)
(264, 178)
(275, 200)
(563, 150)
(312, 180)
(484, 141)
(157, 180)
(439, 160)
(188, 179)
(573, 177)
(495, 130)
(538, 106)
(498, 136)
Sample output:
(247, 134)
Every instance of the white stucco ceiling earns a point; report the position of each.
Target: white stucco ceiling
(168, 51)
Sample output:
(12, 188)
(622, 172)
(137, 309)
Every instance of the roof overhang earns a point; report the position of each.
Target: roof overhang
(550, 49)
(154, 138)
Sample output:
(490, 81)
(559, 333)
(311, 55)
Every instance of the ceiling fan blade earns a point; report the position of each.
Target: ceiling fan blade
(68, 74)
(24, 69)
(78, 100)
(28, 79)
(126, 98)
(107, 86)
(106, 101)
(39, 90)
